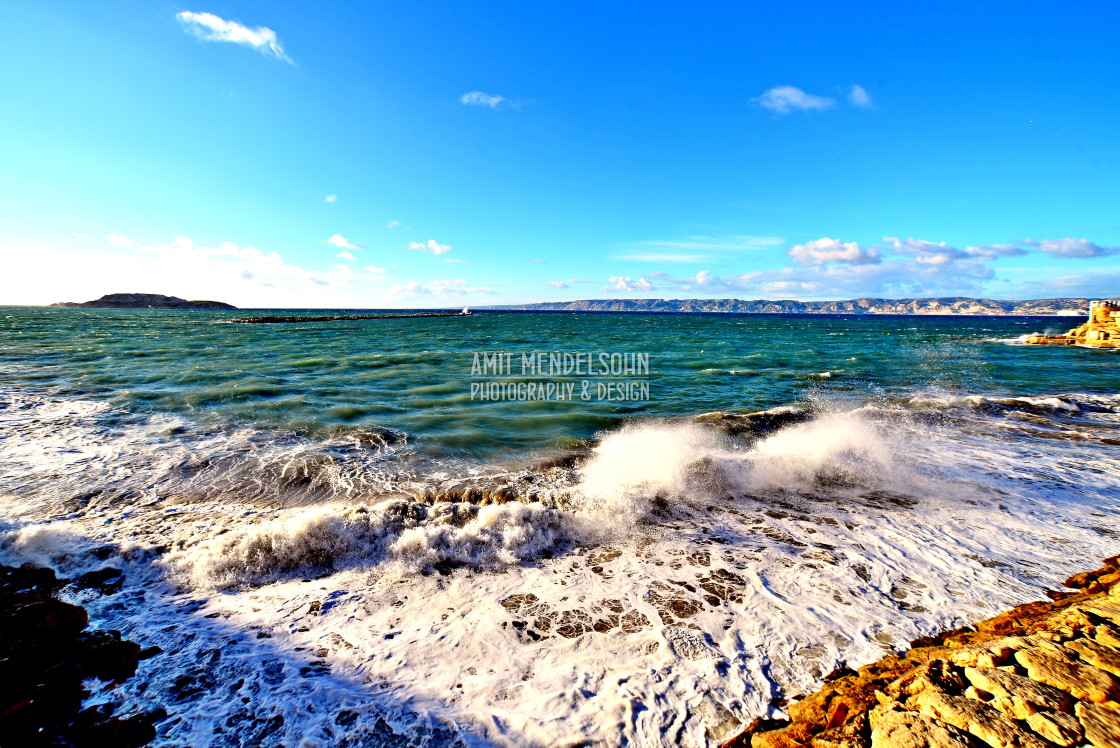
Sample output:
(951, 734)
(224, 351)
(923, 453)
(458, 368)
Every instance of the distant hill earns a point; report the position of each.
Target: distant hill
(144, 301)
(946, 305)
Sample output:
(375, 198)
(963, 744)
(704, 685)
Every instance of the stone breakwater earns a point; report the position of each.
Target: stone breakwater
(1040, 675)
(46, 654)
(334, 318)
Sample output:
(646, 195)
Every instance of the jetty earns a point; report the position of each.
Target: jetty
(335, 318)
(1102, 330)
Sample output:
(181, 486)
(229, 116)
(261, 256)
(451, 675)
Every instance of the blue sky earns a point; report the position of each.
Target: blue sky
(436, 154)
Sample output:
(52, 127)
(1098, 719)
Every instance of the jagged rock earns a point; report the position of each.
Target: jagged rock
(976, 718)
(1101, 723)
(1096, 654)
(1057, 727)
(1022, 696)
(1062, 670)
(912, 730)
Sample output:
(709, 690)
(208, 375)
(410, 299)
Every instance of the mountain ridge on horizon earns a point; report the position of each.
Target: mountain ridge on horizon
(961, 305)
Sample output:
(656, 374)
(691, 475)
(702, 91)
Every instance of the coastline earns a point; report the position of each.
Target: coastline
(1039, 674)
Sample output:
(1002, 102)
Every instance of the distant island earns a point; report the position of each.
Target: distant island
(944, 305)
(143, 301)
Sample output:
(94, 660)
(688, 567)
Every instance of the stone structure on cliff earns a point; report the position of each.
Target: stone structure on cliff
(1041, 675)
(1102, 330)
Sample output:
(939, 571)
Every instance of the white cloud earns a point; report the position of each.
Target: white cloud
(346, 255)
(823, 251)
(478, 98)
(539, 261)
(1073, 248)
(859, 98)
(787, 99)
(995, 251)
(83, 237)
(373, 269)
(392, 224)
(626, 283)
(557, 284)
(445, 288)
(342, 242)
(431, 246)
(212, 28)
(330, 199)
(120, 241)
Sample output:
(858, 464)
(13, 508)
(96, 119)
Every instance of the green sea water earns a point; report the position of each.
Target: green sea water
(415, 375)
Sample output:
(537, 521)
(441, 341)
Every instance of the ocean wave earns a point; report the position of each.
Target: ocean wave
(328, 538)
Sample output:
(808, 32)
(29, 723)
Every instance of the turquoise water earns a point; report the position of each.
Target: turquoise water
(414, 375)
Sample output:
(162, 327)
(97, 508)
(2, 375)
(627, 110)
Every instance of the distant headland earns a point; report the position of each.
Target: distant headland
(944, 305)
(144, 301)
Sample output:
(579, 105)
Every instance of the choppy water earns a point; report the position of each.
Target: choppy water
(335, 545)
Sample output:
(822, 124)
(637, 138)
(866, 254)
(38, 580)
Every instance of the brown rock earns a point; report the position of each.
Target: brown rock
(1057, 727)
(912, 730)
(975, 718)
(1096, 654)
(1022, 696)
(1061, 670)
(1079, 581)
(1101, 723)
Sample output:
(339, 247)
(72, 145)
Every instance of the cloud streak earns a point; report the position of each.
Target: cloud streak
(478, 98)
(211, 28)
(431, 247)
(342, 242)
(789, 99)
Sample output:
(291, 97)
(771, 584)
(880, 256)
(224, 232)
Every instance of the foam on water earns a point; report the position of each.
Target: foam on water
(672, 585)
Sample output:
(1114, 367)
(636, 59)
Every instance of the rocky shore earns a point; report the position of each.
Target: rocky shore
(45, 655)
(1040, 675)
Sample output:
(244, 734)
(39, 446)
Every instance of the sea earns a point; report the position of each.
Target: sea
(540, 529)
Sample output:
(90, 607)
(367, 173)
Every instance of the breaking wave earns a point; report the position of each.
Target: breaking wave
(328, 538)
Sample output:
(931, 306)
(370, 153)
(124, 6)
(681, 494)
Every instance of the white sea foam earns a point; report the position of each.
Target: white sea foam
(331, 537)
(691, 578)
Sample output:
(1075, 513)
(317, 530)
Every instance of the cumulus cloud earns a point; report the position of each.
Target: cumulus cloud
(346, 255)
(392, 224)
(1072, 248)
(557, 284)
(75, 234)
(788, 99)
(478, 98)
(342, 242)
(431, 246)
(330, 199)
(212, 28)
(120, 241)
(859, 98)
(626, 283)
(825, 250)
(373, 269)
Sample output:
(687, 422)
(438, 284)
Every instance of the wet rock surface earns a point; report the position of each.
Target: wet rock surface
(1036, 676)
(45, 655)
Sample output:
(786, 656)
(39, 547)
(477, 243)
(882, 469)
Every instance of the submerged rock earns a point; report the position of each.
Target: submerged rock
(45, 655)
